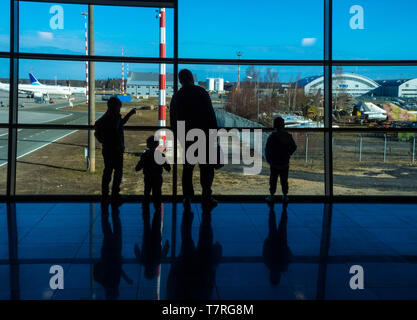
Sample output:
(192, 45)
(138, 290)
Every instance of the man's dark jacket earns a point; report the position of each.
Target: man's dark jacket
(192, 104)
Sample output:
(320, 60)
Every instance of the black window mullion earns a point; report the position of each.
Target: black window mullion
(13, 97)
(328, 152)
(175, 167)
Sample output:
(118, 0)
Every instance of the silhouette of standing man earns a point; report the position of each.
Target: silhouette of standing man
(192, 275)
(192, 104)
(109, 132)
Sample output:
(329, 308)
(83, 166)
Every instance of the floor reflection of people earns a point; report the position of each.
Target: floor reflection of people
(192, 275)
(108, 270)
(152, 250)
(276, 251)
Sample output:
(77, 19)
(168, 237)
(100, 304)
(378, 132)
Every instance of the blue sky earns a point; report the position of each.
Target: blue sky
(261, 29)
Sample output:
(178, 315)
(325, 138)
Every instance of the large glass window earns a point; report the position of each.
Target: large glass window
(60, 29)
(52, 162)
(374, 163)
(134, 29)
(252, 95)
(139, 89)
(50, 92)
(262, 30)
(57, 28)
(373, 108)
(372, 97)
(5, 26)
(374, 30)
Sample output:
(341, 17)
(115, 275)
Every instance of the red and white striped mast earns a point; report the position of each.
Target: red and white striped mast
(70, 98)
(85, 14)
(123, 74)
(162, 76)
(127, 70)
(158, 278)
(162, 114)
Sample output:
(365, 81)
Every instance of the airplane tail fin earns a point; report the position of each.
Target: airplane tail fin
(33, 80)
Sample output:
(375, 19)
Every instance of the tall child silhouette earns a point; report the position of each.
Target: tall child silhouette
(109, 132)
(279, 148)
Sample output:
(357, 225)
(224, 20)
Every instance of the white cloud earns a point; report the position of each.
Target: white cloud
(308, 42)
(35, 40)
(45, 35)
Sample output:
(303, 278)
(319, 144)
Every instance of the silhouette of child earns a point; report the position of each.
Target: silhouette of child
(152, 252)
(276, 251)
(109, 130)
(152, 172)
(279, 148)
(108, 270)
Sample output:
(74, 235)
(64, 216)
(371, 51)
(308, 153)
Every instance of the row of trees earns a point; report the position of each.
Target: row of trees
(269, 95)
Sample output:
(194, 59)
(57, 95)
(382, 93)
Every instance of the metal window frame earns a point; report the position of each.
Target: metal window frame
(327, 70)
(14, 55)
(13, 98)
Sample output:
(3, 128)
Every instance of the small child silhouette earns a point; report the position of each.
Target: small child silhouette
(152, 172)
(280, 146)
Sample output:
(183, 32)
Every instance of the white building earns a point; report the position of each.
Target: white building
(147, 84)
(219, 85)
(401, 88)
(215, 84)
(357, 85)
(210, 84)
(347, 83)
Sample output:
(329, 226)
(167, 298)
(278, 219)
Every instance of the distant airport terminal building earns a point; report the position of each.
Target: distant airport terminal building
(358, 85)
(147, 84)
(401, 88)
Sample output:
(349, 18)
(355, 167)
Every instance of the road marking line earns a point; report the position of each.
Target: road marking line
(1, 135)
(41, 147)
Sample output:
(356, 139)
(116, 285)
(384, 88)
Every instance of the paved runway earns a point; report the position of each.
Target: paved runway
(30, 140)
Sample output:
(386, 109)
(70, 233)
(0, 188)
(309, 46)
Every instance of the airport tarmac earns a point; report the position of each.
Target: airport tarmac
(30, 140)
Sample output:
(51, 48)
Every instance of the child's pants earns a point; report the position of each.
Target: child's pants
(153, 183)
(282, 173)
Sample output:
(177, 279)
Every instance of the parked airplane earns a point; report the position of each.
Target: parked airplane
(371, 111)
(53, 89)
(36, 89)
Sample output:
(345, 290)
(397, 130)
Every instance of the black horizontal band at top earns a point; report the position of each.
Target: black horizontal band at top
(130, 3)
(205, 61)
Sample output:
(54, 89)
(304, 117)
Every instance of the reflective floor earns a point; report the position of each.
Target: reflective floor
(236, 251)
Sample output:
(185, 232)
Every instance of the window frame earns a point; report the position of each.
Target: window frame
(327, 63)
